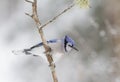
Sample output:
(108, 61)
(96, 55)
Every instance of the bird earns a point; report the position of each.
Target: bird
(59, 48)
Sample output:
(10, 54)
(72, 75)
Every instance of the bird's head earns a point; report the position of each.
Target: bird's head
(69, 44)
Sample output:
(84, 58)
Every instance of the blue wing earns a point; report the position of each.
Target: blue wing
(41, 44)
(38, 45)
(27, 51)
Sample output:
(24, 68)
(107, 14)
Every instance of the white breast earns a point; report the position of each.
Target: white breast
(57, 50)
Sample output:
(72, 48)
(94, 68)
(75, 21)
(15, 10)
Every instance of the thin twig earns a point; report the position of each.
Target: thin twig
(54, 18)
(34, 12)
(46, 47)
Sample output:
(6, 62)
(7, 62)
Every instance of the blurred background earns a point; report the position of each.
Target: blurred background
(96, 32)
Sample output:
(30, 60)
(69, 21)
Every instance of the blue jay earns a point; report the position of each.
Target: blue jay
(59, 48)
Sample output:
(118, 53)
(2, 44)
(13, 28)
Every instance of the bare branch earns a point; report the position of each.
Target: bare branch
(54, 18)
(48, 50)
(34, 13)
(45, 45)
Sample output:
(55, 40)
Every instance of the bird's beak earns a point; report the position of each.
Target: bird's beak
(74, 48)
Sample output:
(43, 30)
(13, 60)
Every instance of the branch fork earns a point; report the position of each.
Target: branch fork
(40, 27)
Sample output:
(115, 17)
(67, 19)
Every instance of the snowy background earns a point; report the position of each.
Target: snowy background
(96, 32)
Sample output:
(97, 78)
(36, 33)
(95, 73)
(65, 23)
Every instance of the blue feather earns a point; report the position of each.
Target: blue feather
(69, 40)
(40, 44)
